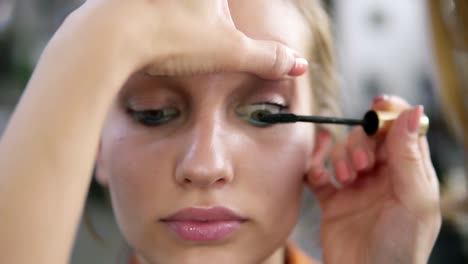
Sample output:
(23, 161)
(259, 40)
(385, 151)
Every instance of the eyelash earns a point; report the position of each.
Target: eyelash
(142, 115)
(249, 117)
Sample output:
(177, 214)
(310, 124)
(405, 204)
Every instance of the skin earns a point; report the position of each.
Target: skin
(48, 182)
(387, 211)
(390, 193)
(199, 159)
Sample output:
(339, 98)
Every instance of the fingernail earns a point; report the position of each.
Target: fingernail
(323, 134)
(360, 159)
(323, 177)
(413, 120)
(342, 171)
(379, 100)
(300, 66)
(317, 174)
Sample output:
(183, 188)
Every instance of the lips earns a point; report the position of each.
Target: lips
(204, 225)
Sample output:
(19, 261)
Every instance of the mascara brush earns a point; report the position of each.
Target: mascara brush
(373, 122)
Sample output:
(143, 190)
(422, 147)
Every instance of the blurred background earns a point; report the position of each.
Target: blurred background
(417, 49)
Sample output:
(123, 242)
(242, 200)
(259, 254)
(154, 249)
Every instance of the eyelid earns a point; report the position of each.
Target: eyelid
(141, 116)
(142, 103)
(270, 98)
(280, 105)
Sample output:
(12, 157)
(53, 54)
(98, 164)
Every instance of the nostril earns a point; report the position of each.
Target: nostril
(221, 181)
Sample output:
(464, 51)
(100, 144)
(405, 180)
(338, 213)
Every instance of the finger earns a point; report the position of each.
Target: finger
(361, 150)
(430, 171)
(395, 103)
(318, 178)
(344, 171)
(404, 155)
(322, 148)
(270, 59)
(389, 103)
(322, 185)
(224, 7)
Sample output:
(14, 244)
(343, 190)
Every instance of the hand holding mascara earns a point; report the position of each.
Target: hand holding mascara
(373, 122)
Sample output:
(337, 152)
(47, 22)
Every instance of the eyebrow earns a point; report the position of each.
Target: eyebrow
(286, 86)
(170, 81)
(248, 83)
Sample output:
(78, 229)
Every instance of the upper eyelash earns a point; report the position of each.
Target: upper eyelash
(281, 106)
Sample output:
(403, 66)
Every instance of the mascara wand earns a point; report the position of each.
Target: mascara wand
(373, 122)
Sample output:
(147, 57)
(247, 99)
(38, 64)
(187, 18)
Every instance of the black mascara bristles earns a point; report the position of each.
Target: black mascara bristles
(291, 118)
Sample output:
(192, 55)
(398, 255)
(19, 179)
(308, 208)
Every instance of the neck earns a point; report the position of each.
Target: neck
(278, 257)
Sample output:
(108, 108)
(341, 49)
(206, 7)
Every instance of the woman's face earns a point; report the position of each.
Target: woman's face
(193, 144)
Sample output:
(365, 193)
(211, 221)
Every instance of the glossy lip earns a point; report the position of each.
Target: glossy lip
(204, 224)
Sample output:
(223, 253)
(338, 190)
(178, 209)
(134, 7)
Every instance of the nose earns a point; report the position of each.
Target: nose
(204, 163)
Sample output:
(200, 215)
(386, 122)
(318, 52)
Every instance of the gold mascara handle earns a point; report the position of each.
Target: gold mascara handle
(378, 122)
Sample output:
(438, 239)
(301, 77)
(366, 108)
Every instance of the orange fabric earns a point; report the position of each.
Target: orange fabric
(294, 255)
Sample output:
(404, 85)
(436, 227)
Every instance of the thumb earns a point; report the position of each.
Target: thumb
(271, 59)
(404, 156)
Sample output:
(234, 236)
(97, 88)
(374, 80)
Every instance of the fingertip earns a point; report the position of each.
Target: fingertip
(414, 119)
(380, 101)
(313, 175)
(352, 174)
(406, 125)
(322, 180)
(400, 127)
(318, 178)
(271, 60)
(300, 67)
(360, 159)
(342, 171)
(389, 103)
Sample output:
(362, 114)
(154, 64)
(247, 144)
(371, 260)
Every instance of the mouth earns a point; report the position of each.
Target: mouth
(204, 225)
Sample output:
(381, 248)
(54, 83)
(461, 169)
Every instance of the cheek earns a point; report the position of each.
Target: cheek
(272, 179)
(275, 169)
(133, 169)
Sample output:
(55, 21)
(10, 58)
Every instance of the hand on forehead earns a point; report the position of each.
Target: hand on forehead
(279, 20)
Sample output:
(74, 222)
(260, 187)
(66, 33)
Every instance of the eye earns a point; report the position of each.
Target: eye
(154, 117)
(253, 112)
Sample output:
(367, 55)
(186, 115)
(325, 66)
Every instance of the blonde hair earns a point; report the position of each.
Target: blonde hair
(323, 74)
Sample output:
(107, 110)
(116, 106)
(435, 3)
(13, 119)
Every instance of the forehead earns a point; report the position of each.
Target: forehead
(279, 20)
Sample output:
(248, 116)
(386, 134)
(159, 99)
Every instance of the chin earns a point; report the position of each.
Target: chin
(209, 255)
